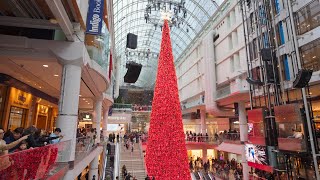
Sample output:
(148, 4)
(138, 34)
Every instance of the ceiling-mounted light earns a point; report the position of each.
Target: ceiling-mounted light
(53, 21)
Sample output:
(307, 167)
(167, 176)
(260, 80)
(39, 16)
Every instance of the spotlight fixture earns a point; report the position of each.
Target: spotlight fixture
(172, 10)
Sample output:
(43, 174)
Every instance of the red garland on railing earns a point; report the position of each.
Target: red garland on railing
(166, 156)
(29, 164)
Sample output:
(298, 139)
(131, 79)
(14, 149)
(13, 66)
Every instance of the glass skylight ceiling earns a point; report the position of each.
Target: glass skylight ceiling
(129, 18)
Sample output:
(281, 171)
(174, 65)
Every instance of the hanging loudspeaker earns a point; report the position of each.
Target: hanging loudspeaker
(302, 79)
(133, 72)
(215, 38)
(132, 41)
(266, 54)
(254, 82)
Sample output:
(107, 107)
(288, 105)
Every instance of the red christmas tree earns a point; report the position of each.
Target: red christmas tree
(166, 156)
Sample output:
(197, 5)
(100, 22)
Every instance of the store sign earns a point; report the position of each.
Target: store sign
(43, 109)
(95, 17)
(120, 117)
(20, 98)
(116, 118)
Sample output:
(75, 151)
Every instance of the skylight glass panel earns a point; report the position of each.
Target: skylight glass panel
(129, 16)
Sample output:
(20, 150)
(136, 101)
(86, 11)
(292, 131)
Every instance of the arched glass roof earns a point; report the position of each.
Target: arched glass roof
(129, 17)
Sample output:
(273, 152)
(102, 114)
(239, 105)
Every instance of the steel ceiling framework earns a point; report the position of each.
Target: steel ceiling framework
(129, 17)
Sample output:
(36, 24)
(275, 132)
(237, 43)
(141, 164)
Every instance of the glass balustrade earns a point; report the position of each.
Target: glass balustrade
(98, 48)
(218, 138)
(132, 107)
(84, 146)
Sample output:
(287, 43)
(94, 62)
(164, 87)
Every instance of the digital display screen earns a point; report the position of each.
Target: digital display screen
(115, 127)
(256, 154)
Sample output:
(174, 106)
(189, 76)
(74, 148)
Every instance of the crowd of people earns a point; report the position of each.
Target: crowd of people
(232, 135)
(21, 139)
(224, 169)
(128, 176)
(137, 107)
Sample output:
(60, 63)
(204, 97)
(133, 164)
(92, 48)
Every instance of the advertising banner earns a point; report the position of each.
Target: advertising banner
(95, 17)
(256, 154)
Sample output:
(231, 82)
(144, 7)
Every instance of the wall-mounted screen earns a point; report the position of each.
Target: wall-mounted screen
(256, 134)
(256, 154)
(115, 127)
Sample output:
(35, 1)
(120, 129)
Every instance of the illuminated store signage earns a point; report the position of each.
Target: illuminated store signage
(20, 98)
(116, 118)
(95, 17)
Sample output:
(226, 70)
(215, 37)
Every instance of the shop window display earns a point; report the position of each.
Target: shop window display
(17, 117)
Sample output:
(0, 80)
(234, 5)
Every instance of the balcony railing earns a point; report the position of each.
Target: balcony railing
(83, 147)
(141, 108)
(223, 92)
(36, 163)
(217, 139)
(131, 107)
(98, 48)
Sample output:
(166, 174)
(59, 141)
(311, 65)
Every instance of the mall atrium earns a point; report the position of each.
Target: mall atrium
(160, 89)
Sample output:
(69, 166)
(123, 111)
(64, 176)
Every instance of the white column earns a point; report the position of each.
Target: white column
(96, 121)
(68, 106)
(243, 138)
(105, 123)
(203, 122)
(94, 168)
(204, 154)
(96, 118)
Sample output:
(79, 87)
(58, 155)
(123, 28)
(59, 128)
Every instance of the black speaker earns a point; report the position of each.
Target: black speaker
(215, 38)
(270, 74)
(132, 40)
(254, 82)
(133, 72)
(198, 116)
(302, 79)
(266, 54)
(236, 109)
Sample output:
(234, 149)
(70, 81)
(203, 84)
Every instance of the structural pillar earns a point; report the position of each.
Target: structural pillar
(105, 123)
(93, 171)
(96, 117)
(96, 121)
(243, 138)
(204, 154)
(68, 107)
(203, 122)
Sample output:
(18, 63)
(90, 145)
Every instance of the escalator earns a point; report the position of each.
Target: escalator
(110, 165)
(196, 175)
(204, 175)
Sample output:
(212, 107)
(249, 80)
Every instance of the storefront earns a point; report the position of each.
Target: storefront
(195, 153)
(3, 97)
(85, 120)
(194, 128)
(20, 108)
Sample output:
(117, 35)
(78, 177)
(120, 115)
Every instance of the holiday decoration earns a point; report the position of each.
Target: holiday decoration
(166, 155)
(29, 164)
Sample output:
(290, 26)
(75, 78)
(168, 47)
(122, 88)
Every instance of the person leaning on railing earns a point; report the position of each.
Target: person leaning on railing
(5, 147)
(5, 161)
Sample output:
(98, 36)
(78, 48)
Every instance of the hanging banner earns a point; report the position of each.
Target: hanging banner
(95, 17)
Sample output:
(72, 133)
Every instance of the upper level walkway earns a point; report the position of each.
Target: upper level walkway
(49, 162)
